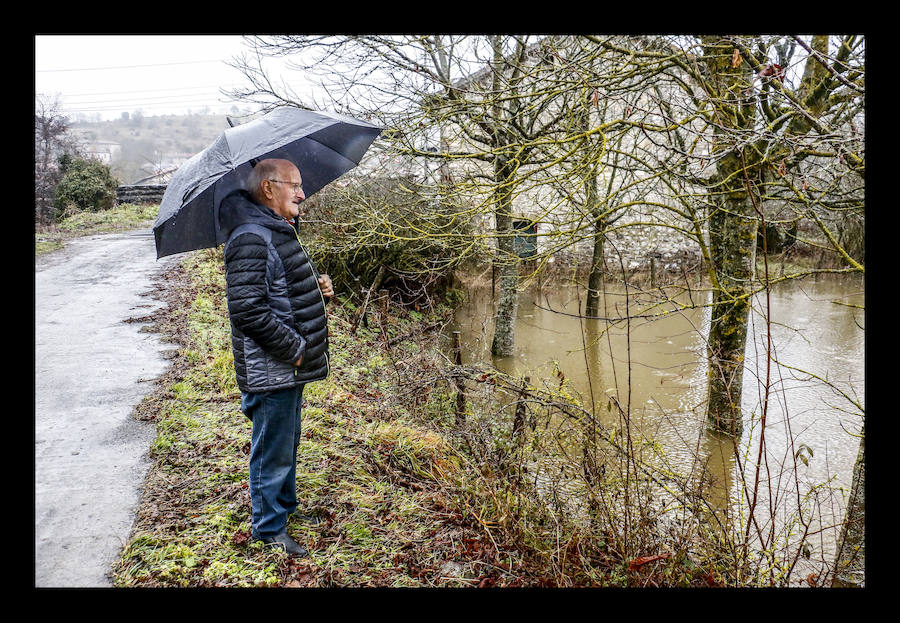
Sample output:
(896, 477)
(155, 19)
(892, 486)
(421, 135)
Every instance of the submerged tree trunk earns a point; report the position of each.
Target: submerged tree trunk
(732, 234)
(507, 261)
(592, 203)
(505, 174)
(595, 279)
(850, 566)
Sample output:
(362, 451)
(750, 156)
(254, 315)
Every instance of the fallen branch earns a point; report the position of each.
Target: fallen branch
(379, 277)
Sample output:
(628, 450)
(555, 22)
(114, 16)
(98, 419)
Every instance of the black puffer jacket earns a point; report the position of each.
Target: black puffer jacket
(276, 309)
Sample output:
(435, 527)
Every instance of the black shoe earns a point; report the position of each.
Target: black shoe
(290, 546)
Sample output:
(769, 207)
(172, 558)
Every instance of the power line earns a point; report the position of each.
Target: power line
(148, 99)
(129, 66)
(134, 106)
(208, 86)
(179, 106)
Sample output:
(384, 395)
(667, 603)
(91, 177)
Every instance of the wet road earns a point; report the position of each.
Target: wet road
(91, 370)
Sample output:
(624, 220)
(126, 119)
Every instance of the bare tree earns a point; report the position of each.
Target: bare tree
(761, 139)
(756, 130)
(51, 140)
(850, 566)
(499, 118)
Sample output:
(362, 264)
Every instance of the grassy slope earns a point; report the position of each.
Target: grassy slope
(124, 217)
(389, 485)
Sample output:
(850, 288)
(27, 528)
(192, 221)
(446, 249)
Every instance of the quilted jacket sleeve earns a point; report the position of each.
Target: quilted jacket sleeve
(248, 306)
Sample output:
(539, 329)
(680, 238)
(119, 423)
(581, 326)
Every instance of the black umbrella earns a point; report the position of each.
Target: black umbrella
(323, 145)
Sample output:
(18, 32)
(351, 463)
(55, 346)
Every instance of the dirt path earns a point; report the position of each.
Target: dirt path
(91, 369)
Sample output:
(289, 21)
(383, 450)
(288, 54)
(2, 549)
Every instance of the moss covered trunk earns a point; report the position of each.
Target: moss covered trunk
(595, 278)
(732, 230)
(504, 342)
(732, 234)
(850, 566)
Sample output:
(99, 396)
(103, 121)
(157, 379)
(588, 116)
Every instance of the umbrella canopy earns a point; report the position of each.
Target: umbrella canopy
(322, 145)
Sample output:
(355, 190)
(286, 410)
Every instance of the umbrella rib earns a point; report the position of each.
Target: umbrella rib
(333, 150)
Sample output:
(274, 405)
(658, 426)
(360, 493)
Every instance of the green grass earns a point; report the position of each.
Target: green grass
(124, 217)
(379, 484)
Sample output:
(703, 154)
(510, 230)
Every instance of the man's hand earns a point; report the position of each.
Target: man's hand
(299, 361)
(326, 286)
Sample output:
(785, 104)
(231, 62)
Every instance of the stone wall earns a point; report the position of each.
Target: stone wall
(637, 244)
(140, 193)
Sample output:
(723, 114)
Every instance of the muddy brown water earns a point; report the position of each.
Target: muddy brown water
(818, 347)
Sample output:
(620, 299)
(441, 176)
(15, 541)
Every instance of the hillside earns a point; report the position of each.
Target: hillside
(151, 144)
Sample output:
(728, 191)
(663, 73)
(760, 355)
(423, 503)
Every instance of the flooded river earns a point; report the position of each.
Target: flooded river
(816, 373)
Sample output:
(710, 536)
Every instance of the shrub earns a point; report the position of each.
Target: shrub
(375, 222)
(86, 186)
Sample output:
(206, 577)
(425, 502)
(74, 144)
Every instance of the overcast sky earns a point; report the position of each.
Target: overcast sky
(109, 74)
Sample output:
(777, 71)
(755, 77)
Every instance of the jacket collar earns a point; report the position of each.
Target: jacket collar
(239, 207)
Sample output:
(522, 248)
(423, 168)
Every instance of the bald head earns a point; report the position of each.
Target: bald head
(270, 168)
(276, 183)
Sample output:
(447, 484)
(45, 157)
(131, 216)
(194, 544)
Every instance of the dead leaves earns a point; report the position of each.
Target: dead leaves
(298, 574)
(772, 70)
(639, 562)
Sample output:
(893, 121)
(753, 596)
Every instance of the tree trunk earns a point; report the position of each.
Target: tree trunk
(732, 235)
(504, 341)
(595, 279)
(850, 566)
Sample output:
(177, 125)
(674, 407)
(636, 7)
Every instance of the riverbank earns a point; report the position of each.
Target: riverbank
(406, 501)
(676, 267)
(408, 497)
(380, 483)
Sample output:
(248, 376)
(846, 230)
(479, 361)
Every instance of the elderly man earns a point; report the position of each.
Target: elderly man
(279, 335)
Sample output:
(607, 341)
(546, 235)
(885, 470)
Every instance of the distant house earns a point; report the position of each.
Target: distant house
(104, 151)
(173, 160)
(160, 171)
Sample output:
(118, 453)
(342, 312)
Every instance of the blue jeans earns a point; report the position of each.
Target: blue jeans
(273, 457)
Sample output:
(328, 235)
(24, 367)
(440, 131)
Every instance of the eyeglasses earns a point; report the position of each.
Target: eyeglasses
(297, 187)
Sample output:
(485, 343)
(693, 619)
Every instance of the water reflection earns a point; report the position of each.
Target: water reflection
(661, 388)
(655, 366)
